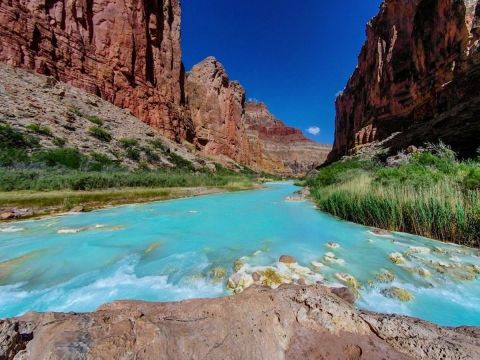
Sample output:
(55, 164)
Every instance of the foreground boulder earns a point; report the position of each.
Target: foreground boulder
(292, 322)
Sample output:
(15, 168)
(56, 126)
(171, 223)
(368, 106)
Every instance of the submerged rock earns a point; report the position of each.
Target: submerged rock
(398, 293)
(333, 245)
(218, 273)
(381, 232)
(417, 250)
(385, 276)
(72, 231)
(348, 280)
(317, 264)
(286, 259)
(272, 278)
(420, 271)
(239, 281)
(397, 258)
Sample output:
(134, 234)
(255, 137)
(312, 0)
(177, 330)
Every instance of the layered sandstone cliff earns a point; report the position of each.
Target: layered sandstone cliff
(128, 52)
(281, 147)
(292, 322)
(417, 79)
(125, 51)
(226, 124)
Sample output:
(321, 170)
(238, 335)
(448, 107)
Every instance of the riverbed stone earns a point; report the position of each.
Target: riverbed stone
(397, 258)
(287, 259)
(398, 293)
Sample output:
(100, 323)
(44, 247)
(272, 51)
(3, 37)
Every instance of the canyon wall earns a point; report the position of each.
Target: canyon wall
(282, 147)
(127, 52)
(226, 124)
(417, 79)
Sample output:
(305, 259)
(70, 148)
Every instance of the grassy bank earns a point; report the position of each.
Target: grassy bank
(50, 202)
(430, 193)
(53, 179)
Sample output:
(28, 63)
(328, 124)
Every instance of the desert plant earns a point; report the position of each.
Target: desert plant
(128, 142)
(39, 129)
(94, 119)
(100, 133)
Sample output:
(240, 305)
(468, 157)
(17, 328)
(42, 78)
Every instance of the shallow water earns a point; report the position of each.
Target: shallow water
(166, 251)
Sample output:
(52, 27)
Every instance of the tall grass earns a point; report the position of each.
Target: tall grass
(431, 195)
(79, 180)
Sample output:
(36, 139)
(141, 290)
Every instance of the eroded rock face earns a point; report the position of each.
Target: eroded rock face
(417, 76)
(216, 106)
(292, 322)
(226, 124)
(127, 52)
(282, 148)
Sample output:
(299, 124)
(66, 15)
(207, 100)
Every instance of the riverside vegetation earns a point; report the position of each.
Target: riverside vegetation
(32, 175)
(429, 193)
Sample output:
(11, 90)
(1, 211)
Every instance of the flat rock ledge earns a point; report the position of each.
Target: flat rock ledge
(291, 322)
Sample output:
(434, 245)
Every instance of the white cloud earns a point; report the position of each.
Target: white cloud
(314, 130)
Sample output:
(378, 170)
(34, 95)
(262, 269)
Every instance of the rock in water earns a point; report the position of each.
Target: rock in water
(291, 322)
(398, 293)
(287, 259)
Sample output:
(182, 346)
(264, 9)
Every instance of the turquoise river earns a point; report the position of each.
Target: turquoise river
(187, 248)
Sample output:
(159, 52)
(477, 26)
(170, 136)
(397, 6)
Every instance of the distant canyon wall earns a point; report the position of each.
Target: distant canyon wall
(128, 52)
(226, 124)
(417, 79)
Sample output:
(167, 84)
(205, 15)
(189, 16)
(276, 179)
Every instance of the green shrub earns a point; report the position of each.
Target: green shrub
(472, 179)
(39, 129)
(69, 158)
(100, 133)
(180, 162)
(76, 111)
(13, 156)
(14, 138)
(128, 142)
(158, 144)
(151, 154)
(100, 162)
(133, 153)
(94, 119)
(336, 172)
(60, 179)
(60, 142)
(432, 194)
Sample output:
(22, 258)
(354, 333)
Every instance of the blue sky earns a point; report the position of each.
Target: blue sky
(292, 55)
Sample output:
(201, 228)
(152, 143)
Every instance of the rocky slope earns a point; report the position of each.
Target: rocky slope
(292, 322)
(128, 53)
(417, 79)
(62, 115)
(227, 125)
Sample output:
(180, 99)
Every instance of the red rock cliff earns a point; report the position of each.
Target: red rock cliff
(225, 124)
(281, 147)
(417, 79)
(126, 51)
